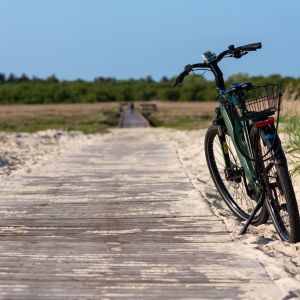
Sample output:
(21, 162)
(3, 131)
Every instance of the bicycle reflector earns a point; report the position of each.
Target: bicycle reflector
(270, 121)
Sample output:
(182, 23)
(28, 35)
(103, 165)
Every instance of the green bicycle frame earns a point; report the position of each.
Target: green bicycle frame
(238, 131)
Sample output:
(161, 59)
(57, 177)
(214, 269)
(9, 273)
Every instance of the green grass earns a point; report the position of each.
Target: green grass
(189, 123)
(87, 123)
(292, 128)
(180, 123)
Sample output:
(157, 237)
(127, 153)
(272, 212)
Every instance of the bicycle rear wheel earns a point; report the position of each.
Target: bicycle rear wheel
(282, 203)
(232, 191)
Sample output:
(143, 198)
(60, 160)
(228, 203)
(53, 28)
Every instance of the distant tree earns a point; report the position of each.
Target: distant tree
(100, 78)
(79, 80)
(12, 78)
(239, 78)
(52, 79)
(2, 78)
(170, 94)
(149, 79)
(23, 78)
(147, 94)
(35, 78)
(195, 88)
(104, 79)
(164, 79)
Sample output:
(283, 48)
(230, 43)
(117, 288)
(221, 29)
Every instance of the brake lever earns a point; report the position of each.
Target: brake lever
(239, 54)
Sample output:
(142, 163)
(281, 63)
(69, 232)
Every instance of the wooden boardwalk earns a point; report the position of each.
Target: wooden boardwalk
(118, 219)
(133, 119)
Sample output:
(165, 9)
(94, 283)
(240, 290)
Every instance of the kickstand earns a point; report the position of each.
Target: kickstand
(253, 213)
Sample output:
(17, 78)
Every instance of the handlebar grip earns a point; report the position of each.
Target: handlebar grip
(180, 77)
(250, 47)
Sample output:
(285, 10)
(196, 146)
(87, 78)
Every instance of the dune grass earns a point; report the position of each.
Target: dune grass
(182, 115)
(183, 123)
(88, 118)
(292, 128)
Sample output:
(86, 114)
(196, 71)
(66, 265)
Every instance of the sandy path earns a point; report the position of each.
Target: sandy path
(20, 152)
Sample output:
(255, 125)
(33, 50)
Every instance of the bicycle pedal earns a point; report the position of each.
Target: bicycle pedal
(233, 174)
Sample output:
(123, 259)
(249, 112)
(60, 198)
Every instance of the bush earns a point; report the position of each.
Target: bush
(22, 89)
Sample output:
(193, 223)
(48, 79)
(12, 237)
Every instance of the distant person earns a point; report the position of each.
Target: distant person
(131, 107)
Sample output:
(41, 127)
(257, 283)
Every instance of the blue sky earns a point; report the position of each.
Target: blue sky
(135, 38)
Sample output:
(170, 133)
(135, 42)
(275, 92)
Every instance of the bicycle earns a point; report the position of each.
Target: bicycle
(243, 150)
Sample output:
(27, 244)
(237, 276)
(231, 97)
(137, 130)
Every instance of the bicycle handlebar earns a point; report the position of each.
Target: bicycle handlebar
(250, 47)
(187, 70)
(236, 52)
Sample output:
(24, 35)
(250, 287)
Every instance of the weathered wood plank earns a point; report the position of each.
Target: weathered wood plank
(133, 119)
(118, 219)
(58, 290)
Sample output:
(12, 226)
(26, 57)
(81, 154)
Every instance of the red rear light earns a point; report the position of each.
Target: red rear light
(270, 121)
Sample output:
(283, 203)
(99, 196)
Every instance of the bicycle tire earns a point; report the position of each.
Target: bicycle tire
(239, 209)
(283, 195)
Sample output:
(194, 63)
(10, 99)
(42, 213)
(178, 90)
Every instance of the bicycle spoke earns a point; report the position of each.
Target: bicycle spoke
(237, 190)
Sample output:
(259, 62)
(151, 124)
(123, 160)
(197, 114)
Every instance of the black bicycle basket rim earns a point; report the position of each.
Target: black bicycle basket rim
(265, 98)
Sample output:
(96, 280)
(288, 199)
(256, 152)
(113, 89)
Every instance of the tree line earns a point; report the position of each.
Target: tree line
(23, 89)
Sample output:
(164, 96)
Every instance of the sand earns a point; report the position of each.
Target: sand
(281, 259)
(20, 152)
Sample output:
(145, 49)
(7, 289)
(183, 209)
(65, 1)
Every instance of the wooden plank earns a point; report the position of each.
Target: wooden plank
(118, 219)
(133, 119)
(82, 290)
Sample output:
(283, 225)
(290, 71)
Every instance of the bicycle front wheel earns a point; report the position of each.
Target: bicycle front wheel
(234, 191)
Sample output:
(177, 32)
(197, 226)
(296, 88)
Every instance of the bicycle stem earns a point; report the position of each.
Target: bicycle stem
(218, 75)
